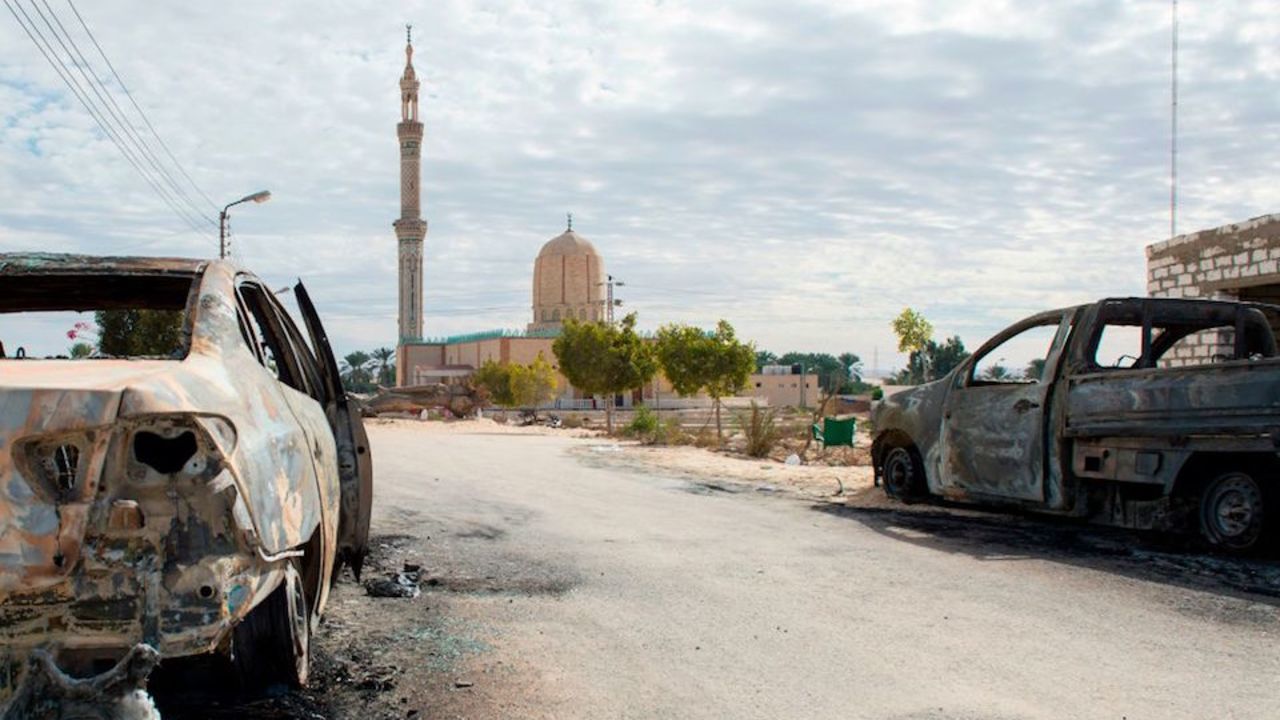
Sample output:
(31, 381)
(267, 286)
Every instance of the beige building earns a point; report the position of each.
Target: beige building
(779, 386)
(568, 282)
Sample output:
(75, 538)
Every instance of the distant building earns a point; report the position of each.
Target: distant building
(1240, 261)
(784, 385)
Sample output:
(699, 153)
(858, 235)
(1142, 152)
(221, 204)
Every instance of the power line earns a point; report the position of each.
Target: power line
(50, 55)
(113, 108)
(145, 119)
(108, 101)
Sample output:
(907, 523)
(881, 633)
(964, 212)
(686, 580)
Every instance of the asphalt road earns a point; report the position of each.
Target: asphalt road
(566, 584)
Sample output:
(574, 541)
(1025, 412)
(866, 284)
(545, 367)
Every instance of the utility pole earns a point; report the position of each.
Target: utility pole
(610, 302)
(259, 197)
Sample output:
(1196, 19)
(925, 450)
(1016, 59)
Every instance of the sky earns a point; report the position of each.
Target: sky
(804, 170)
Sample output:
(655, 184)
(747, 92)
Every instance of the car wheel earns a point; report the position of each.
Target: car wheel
(902, 474)
(272, 645)
(1233, 512)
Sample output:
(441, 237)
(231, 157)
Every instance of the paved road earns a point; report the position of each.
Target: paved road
(571, 586)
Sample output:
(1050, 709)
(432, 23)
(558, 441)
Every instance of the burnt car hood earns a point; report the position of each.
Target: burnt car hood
(50, 404)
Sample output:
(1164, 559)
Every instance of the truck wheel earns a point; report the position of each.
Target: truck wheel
(272, 645)
(903, 476)
(1233, 512)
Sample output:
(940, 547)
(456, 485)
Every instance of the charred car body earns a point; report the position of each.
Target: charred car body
(1140, 412)
(199, 502)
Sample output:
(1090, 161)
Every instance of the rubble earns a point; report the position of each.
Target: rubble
(403, 584)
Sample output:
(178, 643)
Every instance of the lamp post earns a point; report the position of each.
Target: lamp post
(259, 197)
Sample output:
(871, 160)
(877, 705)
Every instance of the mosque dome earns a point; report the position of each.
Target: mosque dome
(568, 278)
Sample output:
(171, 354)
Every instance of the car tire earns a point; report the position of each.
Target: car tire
(1234, 514)
(271, 647)
(902, 474)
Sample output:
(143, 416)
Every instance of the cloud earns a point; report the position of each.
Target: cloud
(804, 171)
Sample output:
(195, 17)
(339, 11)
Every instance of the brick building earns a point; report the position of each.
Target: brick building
(1240, 261)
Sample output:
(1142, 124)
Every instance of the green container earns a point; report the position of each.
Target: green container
(836, 431)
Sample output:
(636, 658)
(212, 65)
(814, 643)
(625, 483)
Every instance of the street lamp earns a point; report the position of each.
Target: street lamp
(259, 197)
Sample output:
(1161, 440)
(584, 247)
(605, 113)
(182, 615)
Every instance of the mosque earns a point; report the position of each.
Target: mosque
(568, 282)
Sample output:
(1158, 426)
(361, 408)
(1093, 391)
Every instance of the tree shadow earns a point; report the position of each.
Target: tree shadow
(1005, 536)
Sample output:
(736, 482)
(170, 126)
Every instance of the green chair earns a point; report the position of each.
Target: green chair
(834, 431)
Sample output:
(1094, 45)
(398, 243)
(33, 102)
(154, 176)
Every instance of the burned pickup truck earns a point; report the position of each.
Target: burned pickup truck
(1141, 412)
(197, 494)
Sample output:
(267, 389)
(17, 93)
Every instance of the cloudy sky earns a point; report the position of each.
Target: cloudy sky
(802, 169)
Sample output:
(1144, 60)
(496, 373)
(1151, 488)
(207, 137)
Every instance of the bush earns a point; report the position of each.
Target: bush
(573, 421)
(643, 425)
(877, 393)
(671, 432)
(760, 429)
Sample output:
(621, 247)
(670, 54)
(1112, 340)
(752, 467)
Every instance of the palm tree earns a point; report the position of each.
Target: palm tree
(355, 371)
(386, 374)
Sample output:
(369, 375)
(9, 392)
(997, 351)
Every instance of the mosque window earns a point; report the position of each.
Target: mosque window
(582, 314)
(555, 315)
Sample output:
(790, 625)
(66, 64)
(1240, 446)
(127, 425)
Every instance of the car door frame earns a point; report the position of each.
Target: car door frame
(355, 466)
(971, 454)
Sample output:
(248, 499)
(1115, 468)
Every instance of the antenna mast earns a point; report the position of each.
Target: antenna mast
(1173, 129)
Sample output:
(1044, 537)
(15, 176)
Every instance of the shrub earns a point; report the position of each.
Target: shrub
(877, 393)
(670, 432)
(643, 425)
(761, 430)
(572, 421)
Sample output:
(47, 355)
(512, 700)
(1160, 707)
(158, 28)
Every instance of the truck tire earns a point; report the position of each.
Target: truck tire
(902, 474)
(271, 647)
(1234, 512)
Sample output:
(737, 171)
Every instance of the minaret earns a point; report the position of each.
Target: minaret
(410, 228)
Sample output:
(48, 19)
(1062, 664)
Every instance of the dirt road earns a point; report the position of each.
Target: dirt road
(569, 582)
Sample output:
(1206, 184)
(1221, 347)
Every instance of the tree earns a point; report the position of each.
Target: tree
(764, 357)
(933, 362)
(135, 333)
(384, 358)
(996, 373)
(80, 350)
(533, 384)
(913, 331)
(827, 368)
(1035, 369)
(603, 359)
(355, 371)
(914, 335)
(852, 365)
(495, 378)
(716, 363)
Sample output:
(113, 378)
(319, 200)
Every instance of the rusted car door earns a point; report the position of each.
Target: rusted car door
(993, 426)
(355, 467)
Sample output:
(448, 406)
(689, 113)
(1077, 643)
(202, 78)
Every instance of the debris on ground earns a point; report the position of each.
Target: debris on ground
(47, 693)
(403, 584)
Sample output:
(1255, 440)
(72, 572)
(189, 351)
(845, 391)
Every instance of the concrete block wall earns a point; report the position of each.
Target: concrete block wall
(1214, 264)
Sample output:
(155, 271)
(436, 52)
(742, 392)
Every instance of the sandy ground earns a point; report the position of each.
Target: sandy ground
(575, 577)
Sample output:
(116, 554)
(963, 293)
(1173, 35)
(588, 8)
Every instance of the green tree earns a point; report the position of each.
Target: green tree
(913, 331)
(136, 333)
(532, 384)
(495, 378)
(996, 373)
(1035, 369)
(355, 371)
(603, 359)
(716, 363)
(933, 362)
(764, 357)
(831, 373)
(80, 350)
(384, 361)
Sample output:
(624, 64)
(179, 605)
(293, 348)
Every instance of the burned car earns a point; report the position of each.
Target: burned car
(198, 498)
(1138, 412)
